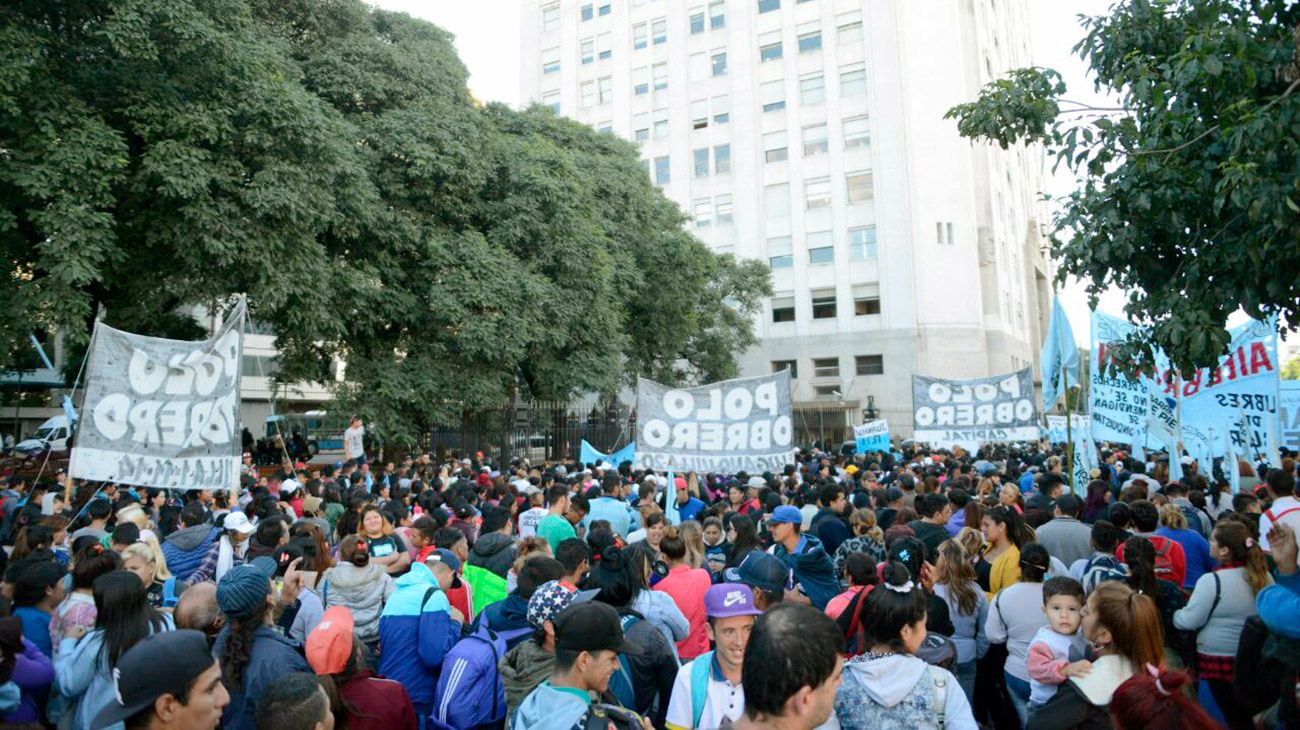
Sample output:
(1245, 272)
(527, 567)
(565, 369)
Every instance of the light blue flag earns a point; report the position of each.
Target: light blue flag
(1059, 353)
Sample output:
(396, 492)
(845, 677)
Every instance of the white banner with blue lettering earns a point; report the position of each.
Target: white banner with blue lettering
(872, 436)
(1117, 403)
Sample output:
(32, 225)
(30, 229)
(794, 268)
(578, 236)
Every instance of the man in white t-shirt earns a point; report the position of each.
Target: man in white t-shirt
(354, 441)
(708, 690)
(532, 517)
(1285, 508)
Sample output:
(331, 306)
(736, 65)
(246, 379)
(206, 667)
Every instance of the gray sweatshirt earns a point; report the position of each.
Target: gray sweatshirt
(1220, 633)
(1015, 615)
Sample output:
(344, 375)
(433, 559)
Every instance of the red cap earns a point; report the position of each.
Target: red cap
(329, 645)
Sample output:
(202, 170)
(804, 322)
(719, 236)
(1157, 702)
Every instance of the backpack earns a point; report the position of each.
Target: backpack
(1101, 568)
(1265, 670)
(8, 508)
(620, 684)
(700, 686)
(1164, 564)
(470, 691)
(1193, 517)
(169, 598)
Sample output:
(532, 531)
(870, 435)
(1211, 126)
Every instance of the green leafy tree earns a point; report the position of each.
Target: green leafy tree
(1188, 194)
(327, 159)
(1291, 371)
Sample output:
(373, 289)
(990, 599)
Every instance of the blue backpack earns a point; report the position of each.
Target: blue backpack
(470, 691)
(620, 683)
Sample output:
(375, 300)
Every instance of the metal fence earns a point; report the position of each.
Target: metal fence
(535, 431)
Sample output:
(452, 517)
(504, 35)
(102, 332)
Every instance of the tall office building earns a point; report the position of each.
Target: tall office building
(810, 134)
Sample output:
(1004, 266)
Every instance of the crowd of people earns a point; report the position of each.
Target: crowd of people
(925, 589)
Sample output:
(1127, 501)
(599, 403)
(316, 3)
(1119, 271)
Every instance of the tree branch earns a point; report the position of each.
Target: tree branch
(1215, 128)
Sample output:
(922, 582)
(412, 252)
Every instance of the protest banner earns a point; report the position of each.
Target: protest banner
(1213, 400)
(162, 413)
(872, 436)
(980, 410)
(590, 455)
(1289, 411)
(1118, 403)
(726, 427)
(1056, 431)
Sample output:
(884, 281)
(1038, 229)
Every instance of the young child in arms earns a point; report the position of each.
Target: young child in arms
(1058, 651)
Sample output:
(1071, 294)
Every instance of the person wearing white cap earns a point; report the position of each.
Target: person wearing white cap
(234, 543)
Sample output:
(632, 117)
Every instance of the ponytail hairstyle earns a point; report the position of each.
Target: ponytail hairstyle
(863, 523)
(1133, 620)
(30, 539)
(1172, 517)
(673, 545)
(354, 549)
(1155, 699)
(896, 603)
(1034, 563)
(1140, 557)
(1017, 531)
(954, 571)
(692, 535)
(1236, 538)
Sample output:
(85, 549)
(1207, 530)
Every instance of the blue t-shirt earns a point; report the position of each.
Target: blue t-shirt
(36, 628)
(689, 510)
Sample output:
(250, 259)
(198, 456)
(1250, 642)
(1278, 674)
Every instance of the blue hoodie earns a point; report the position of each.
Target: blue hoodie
(812, 568)
(272, 656)
(415, 634)
(510, 617)
(549, 708)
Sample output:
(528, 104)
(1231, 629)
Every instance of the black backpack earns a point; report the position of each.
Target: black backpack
(1266, 669)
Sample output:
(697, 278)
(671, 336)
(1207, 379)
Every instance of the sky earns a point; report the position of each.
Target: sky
(488, 36)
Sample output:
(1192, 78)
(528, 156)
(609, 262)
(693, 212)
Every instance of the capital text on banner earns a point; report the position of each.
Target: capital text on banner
(1000, 408)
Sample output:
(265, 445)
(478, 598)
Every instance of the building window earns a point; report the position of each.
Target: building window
(826, 392)
(701, 160)
(723, 205)
(550, 18)
(587, 13)
(719, 63)
(605, 127)
(721, 159)
(661, 123)
(662, 171)
(588, 95)
(862, 243)
(721, 109)
(823, 304)
(857, 132)
(641, 127)
(767, 6)
(821, 255)
(866, 300)
(817, 192)
(809, 42)
(660, 71)
(605, 89)
(717, 14)
(697, 67)
(812, 89)
(783, 309)
(780, 252)
(587, 51)
(551, 99)
(848, 28)
(697, 21)
(870, 364)
(640, 36)
(773, 95)
(944, 233)
(659, 31)
(604, 9)
(703, 213)
(826, 367)
(641, 81)
(791, 365)
(774, 147)
(860, 186)
(776, 200)
(815, 141)
(853, 80)
(699, 114)
(770, 52)
(551, 60)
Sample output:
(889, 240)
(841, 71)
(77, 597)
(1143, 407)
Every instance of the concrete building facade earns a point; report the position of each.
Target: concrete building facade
(810, 134)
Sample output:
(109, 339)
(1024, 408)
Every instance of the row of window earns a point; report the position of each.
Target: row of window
(829, 367)
(708, 211)
(866, 302)
(721, 155)
(717, 13)
(815, 139)
(821, 247)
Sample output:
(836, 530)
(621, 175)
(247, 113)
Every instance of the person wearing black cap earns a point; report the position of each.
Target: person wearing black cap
(189, 695)
(252, 654)
(588, 640)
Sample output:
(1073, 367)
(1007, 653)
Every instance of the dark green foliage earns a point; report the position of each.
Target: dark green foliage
(327, 159)
(1189, 196)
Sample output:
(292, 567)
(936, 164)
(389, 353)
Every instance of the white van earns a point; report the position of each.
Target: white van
(52, 435)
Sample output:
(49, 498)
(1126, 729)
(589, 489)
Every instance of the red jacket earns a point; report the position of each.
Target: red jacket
(1171, 560)
(381, 704)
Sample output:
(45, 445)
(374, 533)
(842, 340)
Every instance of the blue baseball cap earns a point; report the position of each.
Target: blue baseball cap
(244, 587)
(786, 513)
